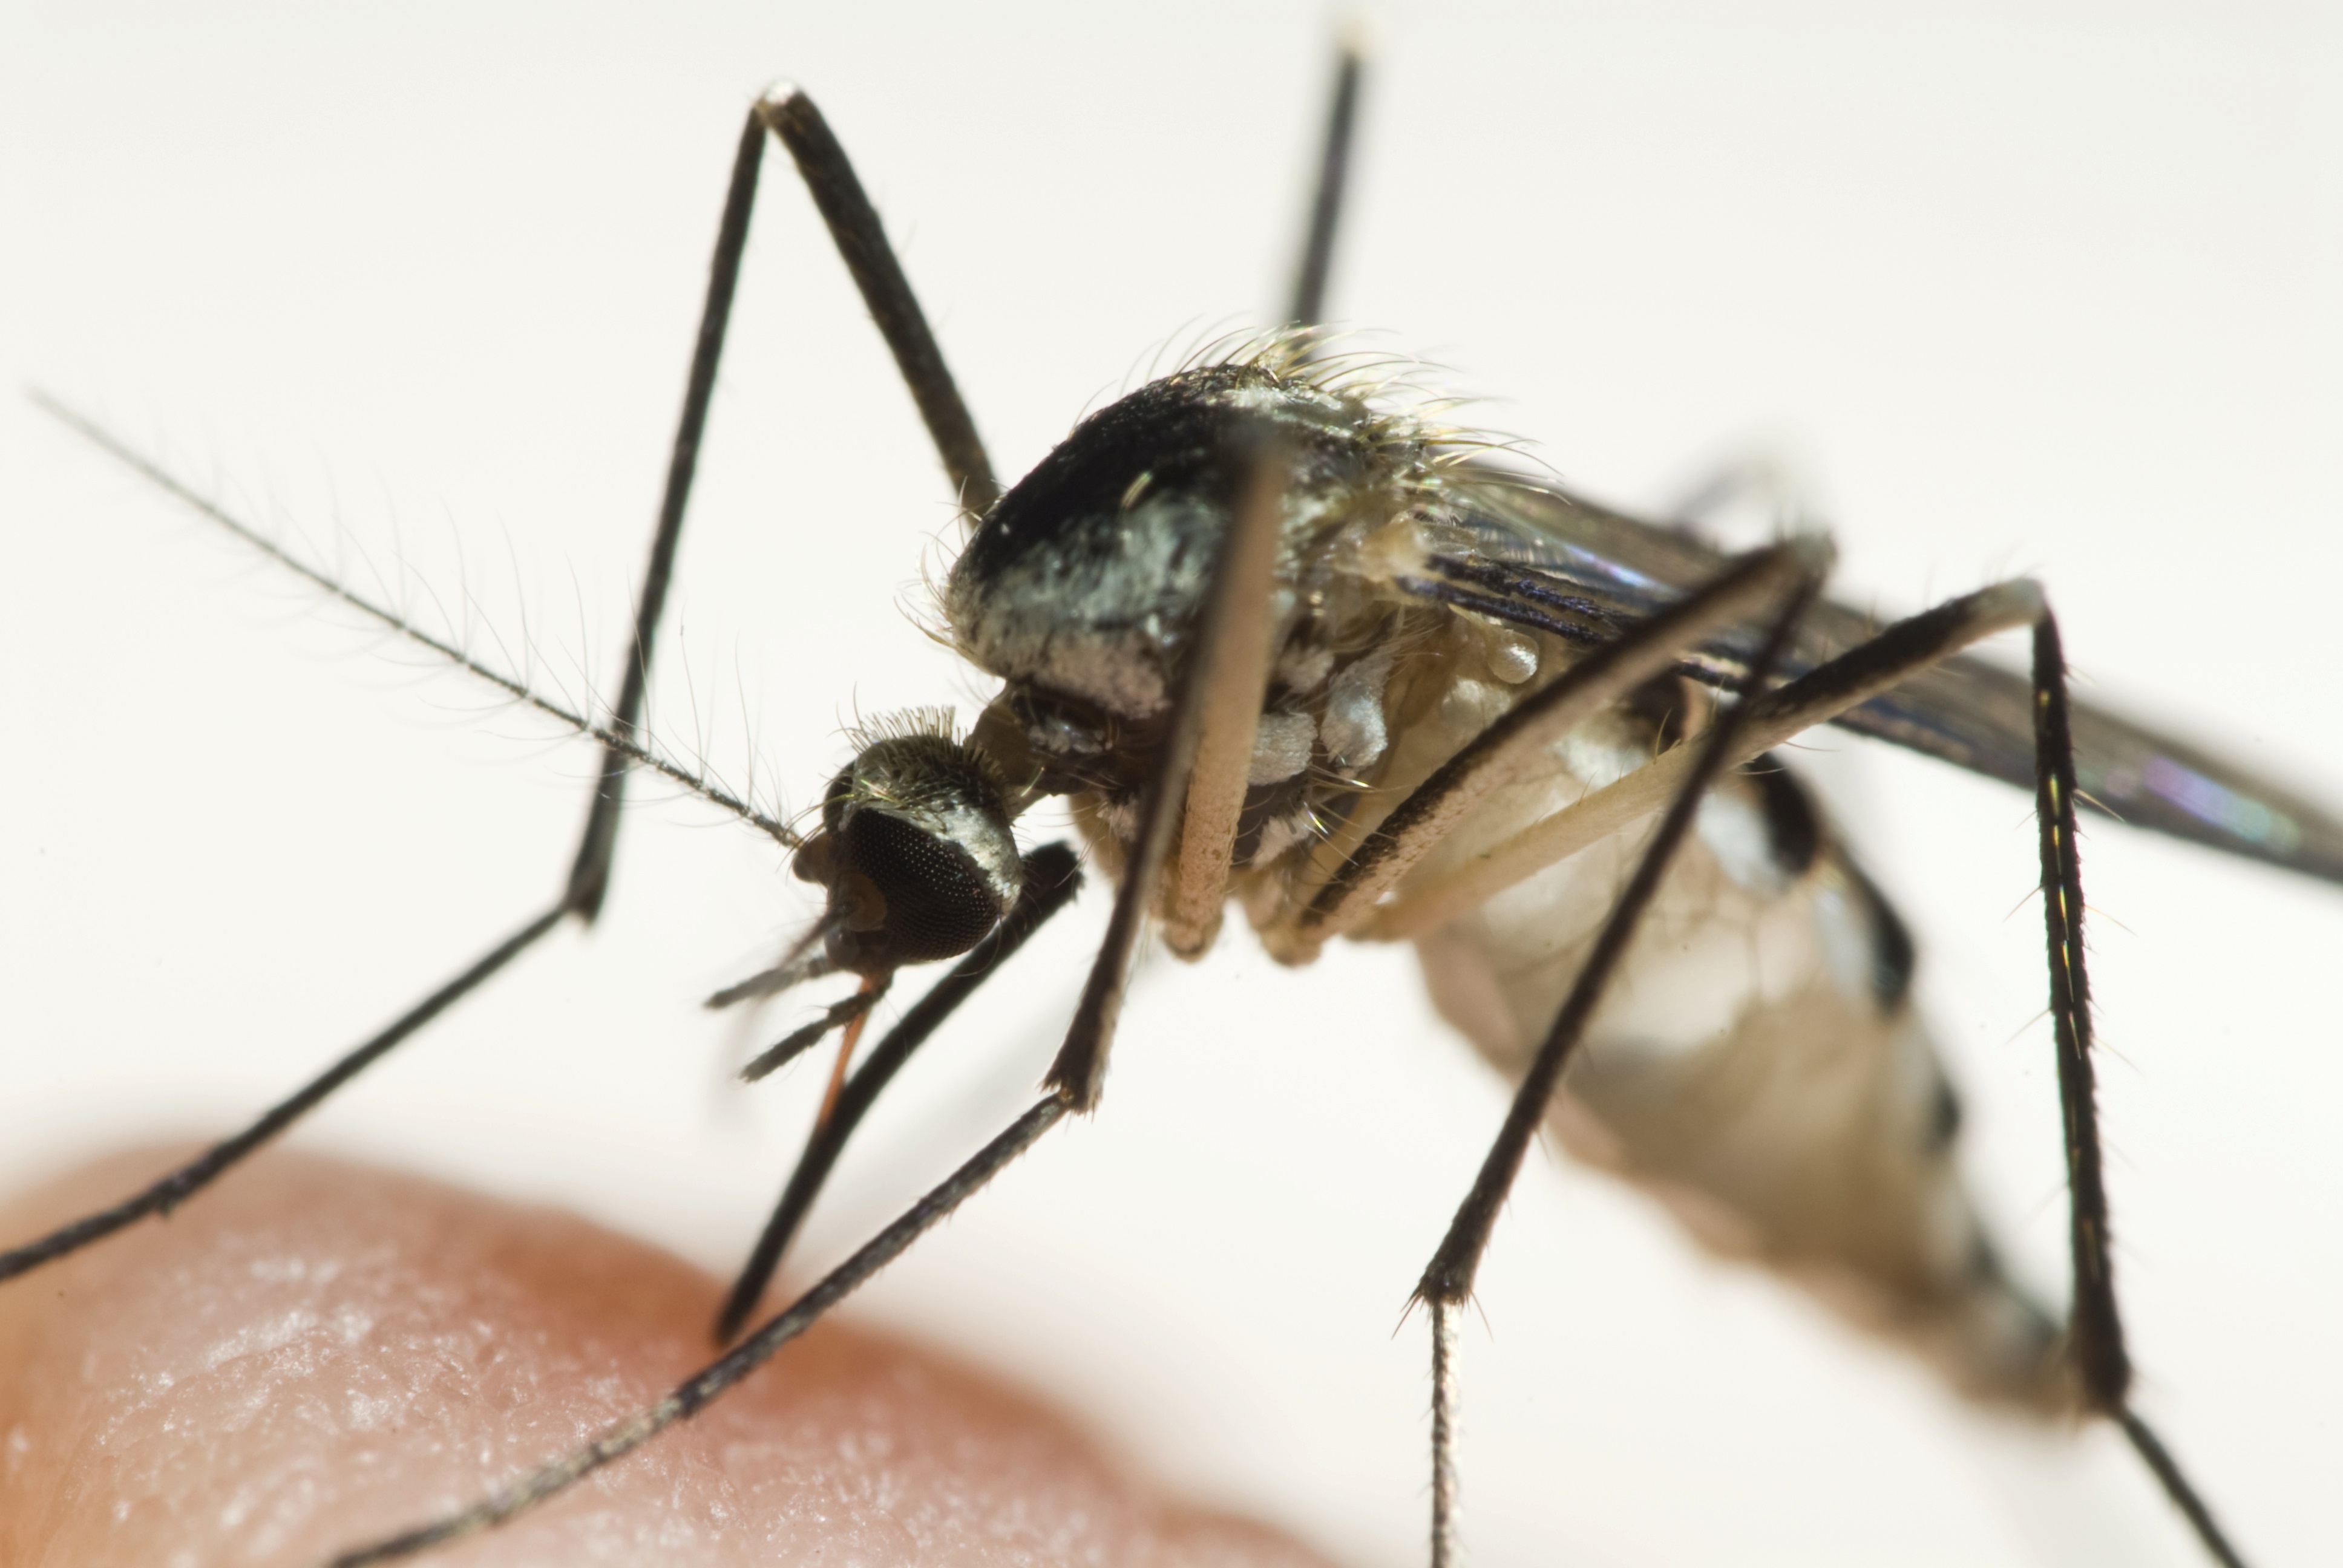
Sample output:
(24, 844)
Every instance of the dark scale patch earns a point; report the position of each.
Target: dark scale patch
(1058, 557)
(1264, 804)
(1793, 828)
(1182, 437)
(1075, 746)
(1893, 956)
(1943, 1117)
(1659, 705)
(1523, 597)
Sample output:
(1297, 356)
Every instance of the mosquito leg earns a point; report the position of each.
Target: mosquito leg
(2095, 1337)
(2168, 1472)
(797, 1042)
(1444, 1433)
(1052, 877)
(2094, 1331)
(1909, 647)
(1519, 740)
(590, 873)
(855, 228)
(861, 241)
(1079, 1070)
(178, 1185)
(710, 1382)
(1208, 830)
(1447, 1282)
(197, 1174)
(1309, 306)
(808, 962)
(1228, 726)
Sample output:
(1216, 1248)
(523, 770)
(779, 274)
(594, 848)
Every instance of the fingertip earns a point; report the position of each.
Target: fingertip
(315, 1353)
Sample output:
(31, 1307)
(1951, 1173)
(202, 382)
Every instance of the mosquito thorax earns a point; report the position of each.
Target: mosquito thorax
(1083, 586)
(915, 849)
(1085, 578)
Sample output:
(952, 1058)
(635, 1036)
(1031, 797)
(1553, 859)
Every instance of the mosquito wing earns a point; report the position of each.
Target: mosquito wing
(1537, 557)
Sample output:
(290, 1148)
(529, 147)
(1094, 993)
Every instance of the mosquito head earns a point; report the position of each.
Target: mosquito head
(915, 849)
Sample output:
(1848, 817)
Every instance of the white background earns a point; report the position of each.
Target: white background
(2028, 289)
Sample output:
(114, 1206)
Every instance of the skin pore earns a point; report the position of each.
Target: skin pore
(315, 1353)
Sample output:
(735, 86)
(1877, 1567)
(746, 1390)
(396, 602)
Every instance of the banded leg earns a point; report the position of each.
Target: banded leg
(854, 227)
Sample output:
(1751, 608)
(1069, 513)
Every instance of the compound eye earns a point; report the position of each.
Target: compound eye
(938, 902)
(916, 852)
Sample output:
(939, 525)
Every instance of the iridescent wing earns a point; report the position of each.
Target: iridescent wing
(1532, 554)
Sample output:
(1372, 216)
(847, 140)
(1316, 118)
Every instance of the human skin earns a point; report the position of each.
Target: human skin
(317, 1354)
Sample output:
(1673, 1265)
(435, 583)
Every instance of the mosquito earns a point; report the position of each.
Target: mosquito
(1031, 726)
